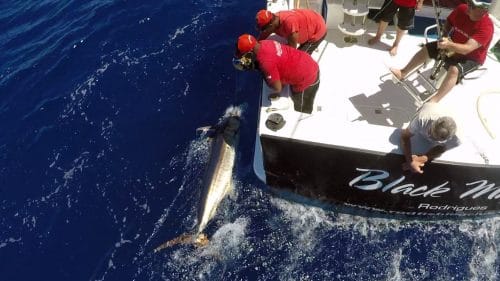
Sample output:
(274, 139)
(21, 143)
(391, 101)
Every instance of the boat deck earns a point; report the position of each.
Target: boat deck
(359, 107)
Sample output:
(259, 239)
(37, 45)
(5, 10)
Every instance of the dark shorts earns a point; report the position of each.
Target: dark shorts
(310, 46)
(405, 15)
(304, 101)
(464, 65)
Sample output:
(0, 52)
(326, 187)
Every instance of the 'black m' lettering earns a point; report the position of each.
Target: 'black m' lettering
(482, 188)
(372, 181)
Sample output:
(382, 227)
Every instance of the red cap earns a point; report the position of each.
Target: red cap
(246, 42)
(263, 18)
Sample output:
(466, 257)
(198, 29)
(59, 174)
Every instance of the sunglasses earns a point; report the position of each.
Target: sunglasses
(264, 27)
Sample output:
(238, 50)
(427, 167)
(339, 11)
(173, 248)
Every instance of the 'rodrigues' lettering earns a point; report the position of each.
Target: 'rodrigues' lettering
(427, 206)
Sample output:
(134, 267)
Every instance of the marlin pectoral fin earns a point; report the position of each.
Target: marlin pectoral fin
(208, 130)
(203, 129)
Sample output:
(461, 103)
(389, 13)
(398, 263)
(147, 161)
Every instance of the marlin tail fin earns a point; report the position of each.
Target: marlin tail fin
(199, 240)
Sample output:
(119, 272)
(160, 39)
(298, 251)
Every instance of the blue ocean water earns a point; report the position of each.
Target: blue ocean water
(100, 162)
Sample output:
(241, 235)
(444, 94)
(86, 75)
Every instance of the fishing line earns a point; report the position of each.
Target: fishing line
(442, 54)
(302, 100)
(235, 94)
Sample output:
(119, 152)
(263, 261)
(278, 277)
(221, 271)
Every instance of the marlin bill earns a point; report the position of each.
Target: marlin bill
(217, 181)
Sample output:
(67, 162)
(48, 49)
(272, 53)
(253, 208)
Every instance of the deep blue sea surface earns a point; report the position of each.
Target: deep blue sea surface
(100, 162)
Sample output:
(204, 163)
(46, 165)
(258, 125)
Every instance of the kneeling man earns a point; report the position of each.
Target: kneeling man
(436, 125)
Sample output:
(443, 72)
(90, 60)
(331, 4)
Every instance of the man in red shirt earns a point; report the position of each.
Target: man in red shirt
(280, 64)
(405, 10)
(471, 32)
(302, 27)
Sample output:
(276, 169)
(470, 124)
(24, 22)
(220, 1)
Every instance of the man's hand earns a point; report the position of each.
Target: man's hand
(419, 5)
(446, 46)
(444, 43)
(416, 164)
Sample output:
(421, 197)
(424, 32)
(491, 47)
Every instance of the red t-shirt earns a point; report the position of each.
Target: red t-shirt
(463, 28)
(286, 64)
(309, 24)
(406, 3)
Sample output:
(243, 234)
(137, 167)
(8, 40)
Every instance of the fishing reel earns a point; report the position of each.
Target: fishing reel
(246, 62)
(442, 56)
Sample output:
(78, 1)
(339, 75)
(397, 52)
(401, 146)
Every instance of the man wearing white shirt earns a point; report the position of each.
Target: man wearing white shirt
(436, 125)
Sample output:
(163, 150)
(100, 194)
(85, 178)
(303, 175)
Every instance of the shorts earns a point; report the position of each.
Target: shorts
(310, 46)
(464, 65)
(405, 15)
(304, 101)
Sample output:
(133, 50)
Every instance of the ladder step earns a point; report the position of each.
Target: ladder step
(357, 29)
(355, 10)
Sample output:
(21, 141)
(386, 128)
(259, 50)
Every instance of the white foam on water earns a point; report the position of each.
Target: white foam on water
(395, 273)
(226, 242)
(485, 236)
(304, 221)
(180, 31)
(204, 263)
(312, 223)
(8, 241)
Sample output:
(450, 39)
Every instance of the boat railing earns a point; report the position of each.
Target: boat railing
(426, 32)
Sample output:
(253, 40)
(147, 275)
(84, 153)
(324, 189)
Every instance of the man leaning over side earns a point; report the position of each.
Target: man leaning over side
(436, 126)
(279, 65)
(303, 28)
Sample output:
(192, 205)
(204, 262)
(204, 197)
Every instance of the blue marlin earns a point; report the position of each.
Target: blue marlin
(218, 178)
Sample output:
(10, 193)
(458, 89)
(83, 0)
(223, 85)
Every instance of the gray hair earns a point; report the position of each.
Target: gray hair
(443, 128)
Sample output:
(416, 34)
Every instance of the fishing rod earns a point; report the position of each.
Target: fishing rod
(442, 53)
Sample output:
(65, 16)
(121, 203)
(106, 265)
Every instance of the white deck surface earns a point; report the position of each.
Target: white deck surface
(359, 107)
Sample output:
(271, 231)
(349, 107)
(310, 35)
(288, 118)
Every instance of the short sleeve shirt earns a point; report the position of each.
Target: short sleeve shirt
(463, 29)
(307, 23)
(422, 122)
(286, 64)
(406, 3)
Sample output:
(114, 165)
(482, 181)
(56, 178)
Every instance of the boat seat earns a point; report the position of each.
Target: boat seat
(420, 84)
(421, 87)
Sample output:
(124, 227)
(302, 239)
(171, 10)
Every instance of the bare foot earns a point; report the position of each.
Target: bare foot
(393, 50)
(397, 73)
(373, 40)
